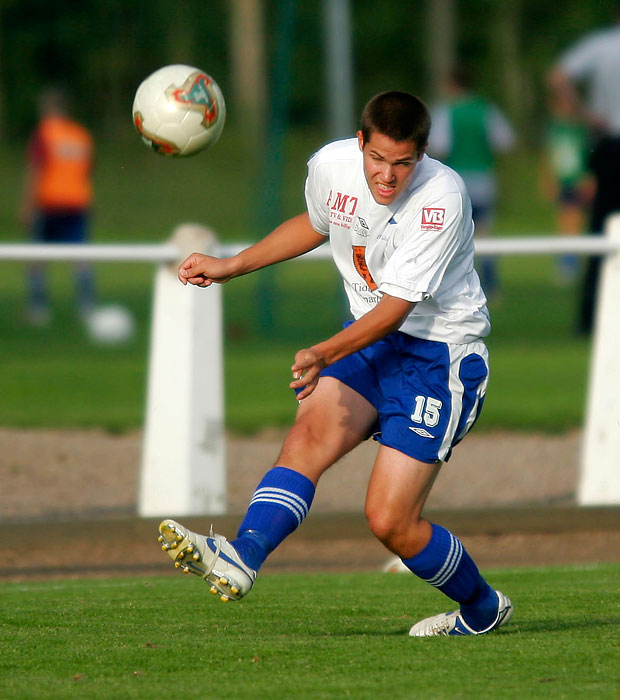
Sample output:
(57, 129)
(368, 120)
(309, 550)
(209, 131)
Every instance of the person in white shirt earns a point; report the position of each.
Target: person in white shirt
(410, 369)
(593, 63)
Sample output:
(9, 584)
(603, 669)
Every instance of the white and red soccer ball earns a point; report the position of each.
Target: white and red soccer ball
(179, 110)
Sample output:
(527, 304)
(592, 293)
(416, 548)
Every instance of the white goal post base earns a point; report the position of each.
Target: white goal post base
(599, 477)
(183, 457)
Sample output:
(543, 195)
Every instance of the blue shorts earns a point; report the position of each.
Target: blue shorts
(428, 394)
(65, 226)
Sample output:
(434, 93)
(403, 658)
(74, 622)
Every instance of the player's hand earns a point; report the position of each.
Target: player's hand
(306, 372)
(202, 270)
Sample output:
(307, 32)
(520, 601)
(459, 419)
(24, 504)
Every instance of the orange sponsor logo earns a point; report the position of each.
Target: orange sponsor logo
(359, 260)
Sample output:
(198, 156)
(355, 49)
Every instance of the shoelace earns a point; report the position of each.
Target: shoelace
(440, 626)
(216, 554)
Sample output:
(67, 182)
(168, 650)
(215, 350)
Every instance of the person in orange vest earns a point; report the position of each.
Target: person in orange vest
(57, 198)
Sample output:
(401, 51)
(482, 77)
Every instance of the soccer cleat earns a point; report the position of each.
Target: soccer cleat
(453, 625)
(212, 558)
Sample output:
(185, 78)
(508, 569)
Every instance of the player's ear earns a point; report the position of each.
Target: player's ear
(360, 140)
(422, 151)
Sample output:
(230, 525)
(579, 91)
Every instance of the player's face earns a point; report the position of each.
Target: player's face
(388, 165)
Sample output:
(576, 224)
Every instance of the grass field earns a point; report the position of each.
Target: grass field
(306, 636)
(54, 377)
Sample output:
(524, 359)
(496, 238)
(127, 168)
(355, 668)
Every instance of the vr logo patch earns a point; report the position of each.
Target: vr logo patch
(432, 218)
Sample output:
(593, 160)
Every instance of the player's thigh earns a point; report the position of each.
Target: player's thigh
(399, 484)
(330, 423)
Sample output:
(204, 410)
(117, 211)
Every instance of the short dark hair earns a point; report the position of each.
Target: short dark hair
(398, 115)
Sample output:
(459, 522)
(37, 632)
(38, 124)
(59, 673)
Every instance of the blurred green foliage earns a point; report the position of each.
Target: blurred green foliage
(103, 50)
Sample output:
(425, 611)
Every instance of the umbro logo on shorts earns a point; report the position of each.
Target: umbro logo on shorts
(421, 431)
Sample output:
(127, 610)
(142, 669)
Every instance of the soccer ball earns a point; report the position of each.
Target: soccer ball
(179, 110)
(110, 325)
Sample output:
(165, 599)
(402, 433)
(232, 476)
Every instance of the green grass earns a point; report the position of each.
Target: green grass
(54, 377)
(306, 636)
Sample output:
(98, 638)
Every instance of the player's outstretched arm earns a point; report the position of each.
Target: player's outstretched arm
(202, 270)
(289, 240)
(386, 317)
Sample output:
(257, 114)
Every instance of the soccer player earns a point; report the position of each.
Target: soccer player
(469, 134)
(57, 198)
(410, 370)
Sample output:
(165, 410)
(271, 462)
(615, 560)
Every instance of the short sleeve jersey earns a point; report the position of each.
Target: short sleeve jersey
(467, 133)
(419, 248)
(596, 59)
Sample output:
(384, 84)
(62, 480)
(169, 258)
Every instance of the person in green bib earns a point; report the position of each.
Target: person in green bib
(468, 133)
(565, 176)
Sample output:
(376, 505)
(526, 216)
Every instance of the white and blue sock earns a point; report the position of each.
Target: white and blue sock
(445, 564)
(279, 505)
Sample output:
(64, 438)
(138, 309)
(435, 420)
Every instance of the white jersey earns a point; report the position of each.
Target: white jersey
(596, 59)
(419, 248)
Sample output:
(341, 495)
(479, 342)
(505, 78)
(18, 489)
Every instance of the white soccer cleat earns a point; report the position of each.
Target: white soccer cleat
(212, 558)
(453, 625)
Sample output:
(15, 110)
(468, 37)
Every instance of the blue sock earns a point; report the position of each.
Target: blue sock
(445, 564)
(279, 505)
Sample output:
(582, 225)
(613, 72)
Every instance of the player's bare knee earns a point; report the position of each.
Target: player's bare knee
(384, 524)
(304, 451)
(303, 438)
(405, 536)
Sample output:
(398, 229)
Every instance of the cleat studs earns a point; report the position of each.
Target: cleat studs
(186, 569)
(223, 581)
(173, 545)
(179, 538)
(165, 547)
(213, 590)
(190, 548)
(177, 564)
(234, 590)
(196, 556)
(224, 598)
(160, 538)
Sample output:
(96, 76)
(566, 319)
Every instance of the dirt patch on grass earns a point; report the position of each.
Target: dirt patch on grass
(50, 474)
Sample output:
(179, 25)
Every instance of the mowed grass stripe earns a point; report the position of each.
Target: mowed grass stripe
(325, 636)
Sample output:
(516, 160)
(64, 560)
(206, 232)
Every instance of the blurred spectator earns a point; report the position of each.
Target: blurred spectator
(593, 63)
(57, 198)
(467, 134)
(565, 178)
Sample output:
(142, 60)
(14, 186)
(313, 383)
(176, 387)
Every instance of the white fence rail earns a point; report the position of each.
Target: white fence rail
(183, 468)
(169, 252)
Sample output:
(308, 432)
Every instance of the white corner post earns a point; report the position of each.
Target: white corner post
(599, 482)
(183, 460)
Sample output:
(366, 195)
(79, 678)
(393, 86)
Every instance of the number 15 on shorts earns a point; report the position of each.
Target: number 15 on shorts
(427, 410)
